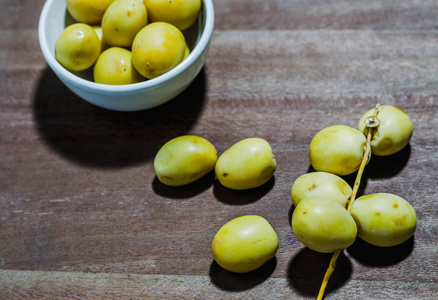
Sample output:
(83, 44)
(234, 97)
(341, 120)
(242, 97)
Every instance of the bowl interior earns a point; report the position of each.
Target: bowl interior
(55, 18)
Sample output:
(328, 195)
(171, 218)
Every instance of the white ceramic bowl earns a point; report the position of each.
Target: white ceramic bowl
(131, 97)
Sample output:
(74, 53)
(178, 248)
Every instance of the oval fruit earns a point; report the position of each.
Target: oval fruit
(98, 30)
(186, 52)
(321, 184)
(158, 48)
(337, 149)
(88, 11)
(384, 219)
(244, 244)
(122, 21)
(393, 133)
(247, 164)
(322, 225)
(114, 67)
(184, 160)
(78, 47)
(180, 13)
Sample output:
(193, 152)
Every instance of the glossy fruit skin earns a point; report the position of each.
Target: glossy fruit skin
(158, 48)
(337, 149)
(180, 13)
(323, 225)
(78, 47)
(184, 160)
(114, 67)
(122, 21)
(88, 11)
(244, 244)
(384, 219)
(320, 184)
(247, 164)
(393, 133)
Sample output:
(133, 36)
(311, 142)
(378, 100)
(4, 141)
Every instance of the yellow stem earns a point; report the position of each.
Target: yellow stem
(361, 169)
(329, 273)
(365, 159)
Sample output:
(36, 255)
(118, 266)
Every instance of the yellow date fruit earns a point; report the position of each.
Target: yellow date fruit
(244, 244)
(180, 13)
(247, 164)
(114, 67)
(122, 21)
(393, 133)
(321, 184)
(323, 226)
(157, 49)
(88, 11)
(187, 52)
(78, 47)
(384, 219)
(337, 149)
(98, 30)
(184, 160)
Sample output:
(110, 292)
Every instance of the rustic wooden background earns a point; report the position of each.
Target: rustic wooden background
(83, 216)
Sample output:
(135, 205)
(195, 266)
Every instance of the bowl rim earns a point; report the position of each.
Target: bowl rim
(201, 45)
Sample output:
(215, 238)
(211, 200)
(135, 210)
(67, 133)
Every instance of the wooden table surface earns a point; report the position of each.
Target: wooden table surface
(83, 216)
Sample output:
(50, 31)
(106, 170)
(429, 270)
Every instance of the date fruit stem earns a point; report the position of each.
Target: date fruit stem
(371, 123)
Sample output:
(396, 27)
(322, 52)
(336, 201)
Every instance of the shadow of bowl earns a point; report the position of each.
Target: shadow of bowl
(92, 136)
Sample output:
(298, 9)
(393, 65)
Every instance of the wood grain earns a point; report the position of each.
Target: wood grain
(65, 285)
(82, 214)
(331, 14)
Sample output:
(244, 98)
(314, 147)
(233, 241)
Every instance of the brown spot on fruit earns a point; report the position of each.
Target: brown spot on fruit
(312, 187)
(399, 222)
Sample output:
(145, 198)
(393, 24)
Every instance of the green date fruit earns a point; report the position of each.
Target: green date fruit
(323, 185)
(122, 21)
(114, 67)
(384, 219)
(245, 244)
(78, 47)
(337, 149)
(184, 160)
(180, 13)
(247, 164)
(393, 133)
(158, 48)
(323, 226)
(88, 11)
